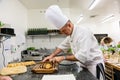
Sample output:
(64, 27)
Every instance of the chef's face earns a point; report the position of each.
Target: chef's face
(67, 28)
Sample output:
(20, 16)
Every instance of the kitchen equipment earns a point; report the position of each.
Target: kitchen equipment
(45, 67)
(37, 31)
(31, 55)
(9, 31)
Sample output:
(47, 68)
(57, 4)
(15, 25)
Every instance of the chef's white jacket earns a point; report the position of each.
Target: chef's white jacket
(84, 46)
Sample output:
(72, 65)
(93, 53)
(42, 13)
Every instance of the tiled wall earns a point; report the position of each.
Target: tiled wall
(44, 41)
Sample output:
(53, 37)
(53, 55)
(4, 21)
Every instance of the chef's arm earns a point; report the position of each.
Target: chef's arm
(66, 57)
(57, 51)
(48, 58)
(63, 46)
(70, 57)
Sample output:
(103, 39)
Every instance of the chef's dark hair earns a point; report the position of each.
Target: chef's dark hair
(107, 40)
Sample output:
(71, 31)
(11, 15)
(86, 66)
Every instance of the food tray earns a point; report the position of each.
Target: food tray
(13, 70)
(27, 63)
(40, 67)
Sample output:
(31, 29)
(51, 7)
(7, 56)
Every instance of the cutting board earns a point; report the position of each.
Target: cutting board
(13, 70)
(59, 77)
(40, 68)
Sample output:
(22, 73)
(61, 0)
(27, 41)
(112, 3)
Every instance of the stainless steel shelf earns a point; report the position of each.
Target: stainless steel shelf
(33, 37)
(1, 34)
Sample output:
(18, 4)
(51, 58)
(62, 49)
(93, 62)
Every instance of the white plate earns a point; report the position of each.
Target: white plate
(65, 62)
(59, 77)
(118, 64)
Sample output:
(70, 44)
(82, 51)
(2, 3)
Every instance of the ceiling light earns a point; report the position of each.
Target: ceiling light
(108, 18)
(93, 4)
(80, 18)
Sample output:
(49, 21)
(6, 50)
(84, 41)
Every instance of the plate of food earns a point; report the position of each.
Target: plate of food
(67, 63)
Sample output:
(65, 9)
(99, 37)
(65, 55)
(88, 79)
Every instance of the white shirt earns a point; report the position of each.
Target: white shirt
(84, 46)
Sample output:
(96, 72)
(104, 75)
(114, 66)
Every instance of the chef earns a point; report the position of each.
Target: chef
(81, 40)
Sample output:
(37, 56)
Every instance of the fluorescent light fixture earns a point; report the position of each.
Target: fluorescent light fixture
(108, 18)
(80, 18)
(93, 4)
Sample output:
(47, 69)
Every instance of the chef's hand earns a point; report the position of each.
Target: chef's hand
(57, 59)
(5, 78)
(47, 58)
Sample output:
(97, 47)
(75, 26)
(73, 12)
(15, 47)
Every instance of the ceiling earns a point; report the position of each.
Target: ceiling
(104, 8)
(43, 4)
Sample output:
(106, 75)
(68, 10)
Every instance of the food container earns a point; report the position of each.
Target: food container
(45, 67)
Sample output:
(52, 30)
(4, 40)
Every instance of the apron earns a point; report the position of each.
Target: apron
(91, 65)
